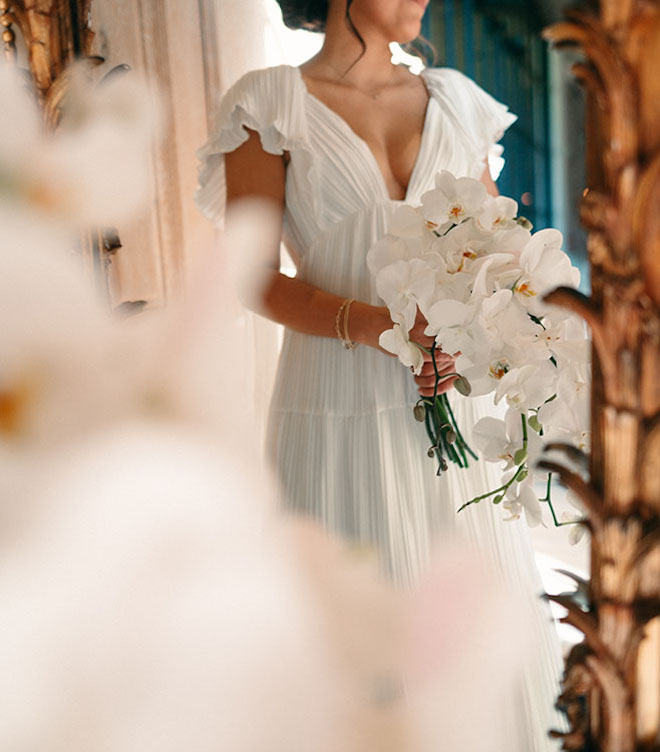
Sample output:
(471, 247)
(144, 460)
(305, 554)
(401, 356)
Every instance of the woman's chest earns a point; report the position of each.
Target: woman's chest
(344, 173)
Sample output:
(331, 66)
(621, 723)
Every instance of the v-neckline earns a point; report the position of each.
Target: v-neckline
(365, 146)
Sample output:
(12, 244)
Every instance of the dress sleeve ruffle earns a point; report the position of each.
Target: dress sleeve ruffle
(265, 101)
(484, 118)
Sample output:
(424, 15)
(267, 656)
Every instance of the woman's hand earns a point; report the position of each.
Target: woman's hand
(367, 324)
(445, 364)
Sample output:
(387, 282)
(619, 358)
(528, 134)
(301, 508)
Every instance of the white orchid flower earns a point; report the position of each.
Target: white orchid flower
(481, 367)
(498, 440)
(403, 285)
(486, 270)
(567, 418)
(408, 222)
(527, 387)
(459, 246)
(505, 324)
(453, 199)
(511, 240)
(396, 341)
(566, 339)
(447, 315)
(497, 213)
(387, 251)
(521, 497)
(544, 267)
(577, 532)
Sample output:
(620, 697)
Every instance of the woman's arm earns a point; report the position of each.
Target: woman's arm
(292, 302)
(252, 172)
(488, 181)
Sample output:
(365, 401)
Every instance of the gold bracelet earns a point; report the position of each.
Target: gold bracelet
(341, 324)
(348, 343)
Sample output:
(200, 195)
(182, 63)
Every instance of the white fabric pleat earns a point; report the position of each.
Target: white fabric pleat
(341, 432)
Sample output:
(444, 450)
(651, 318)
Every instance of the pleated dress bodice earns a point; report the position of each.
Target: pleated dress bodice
(333, 179)
(337, 205)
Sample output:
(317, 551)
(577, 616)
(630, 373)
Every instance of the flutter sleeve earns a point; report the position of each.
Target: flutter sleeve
(484, 118)
(265, 101)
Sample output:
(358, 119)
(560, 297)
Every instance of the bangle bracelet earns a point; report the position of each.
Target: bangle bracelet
(348, 343)
(341, 324)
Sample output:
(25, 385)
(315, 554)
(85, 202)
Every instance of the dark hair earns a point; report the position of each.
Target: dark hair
(311, 15)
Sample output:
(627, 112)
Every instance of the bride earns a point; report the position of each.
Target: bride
(338, 144)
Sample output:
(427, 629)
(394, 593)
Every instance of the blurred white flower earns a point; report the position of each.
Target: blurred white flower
(146, 605)
(94, 169)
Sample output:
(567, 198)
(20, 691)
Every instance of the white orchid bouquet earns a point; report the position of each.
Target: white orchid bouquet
(477, 274)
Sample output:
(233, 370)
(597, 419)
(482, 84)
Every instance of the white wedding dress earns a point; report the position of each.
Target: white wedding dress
(341, 434)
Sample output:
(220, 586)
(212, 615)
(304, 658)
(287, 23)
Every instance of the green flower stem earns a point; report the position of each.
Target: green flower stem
(459, 435)
(502, 489)
(548, 500)
(429, 429)
(440, 419)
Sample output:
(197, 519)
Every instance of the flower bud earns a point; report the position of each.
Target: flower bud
(522, 474)
(535, 424)
(419, 411)
(450, 436)
(462, 386)
(520, 456)
(498, 499)
(525, 223)
(431, 452)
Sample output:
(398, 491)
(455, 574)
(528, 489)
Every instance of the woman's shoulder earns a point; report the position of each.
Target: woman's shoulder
(263, 82)
(451, 80)
(475, 106)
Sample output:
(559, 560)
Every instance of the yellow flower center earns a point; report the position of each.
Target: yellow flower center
(498, 369)
(456, 211)
(526, 290)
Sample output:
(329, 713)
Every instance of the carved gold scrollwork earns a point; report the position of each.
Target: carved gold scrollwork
(611, 695)
(8, 36)
(56, 32)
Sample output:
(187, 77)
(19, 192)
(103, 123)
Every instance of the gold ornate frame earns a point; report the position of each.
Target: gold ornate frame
(55, 33)
(612, 680)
